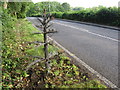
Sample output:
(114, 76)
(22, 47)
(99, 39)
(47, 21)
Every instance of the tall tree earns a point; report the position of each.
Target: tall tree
(66, 6)
(36, 9)
(18, 9)
(14, 8)
(31, 9)
(5, 4)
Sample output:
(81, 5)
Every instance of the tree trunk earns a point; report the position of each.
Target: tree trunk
(5, 4)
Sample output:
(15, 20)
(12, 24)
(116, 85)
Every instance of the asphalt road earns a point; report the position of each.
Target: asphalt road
(96, 46)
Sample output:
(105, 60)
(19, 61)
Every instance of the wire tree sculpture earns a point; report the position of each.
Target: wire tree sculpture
(45, 31)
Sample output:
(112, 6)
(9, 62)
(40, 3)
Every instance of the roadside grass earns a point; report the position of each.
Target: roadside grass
(17, 54)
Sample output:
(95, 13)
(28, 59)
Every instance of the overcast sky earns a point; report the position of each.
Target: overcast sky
(86, 3)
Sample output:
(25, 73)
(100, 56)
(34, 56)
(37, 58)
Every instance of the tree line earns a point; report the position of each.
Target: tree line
(37, 8)
(15, 9)
(100, 14)
(23, 9)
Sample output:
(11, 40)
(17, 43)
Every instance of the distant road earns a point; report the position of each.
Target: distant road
(96, 46)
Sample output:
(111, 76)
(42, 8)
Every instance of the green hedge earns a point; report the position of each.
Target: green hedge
(57, 14)
(100, 15)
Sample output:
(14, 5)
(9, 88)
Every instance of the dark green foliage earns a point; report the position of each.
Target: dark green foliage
(57, 14)
(37, 9)
(107, 15)
(31, 10)
(101, 15)
(18, 9)
(24, 8)
(66, 7)
(77, 8)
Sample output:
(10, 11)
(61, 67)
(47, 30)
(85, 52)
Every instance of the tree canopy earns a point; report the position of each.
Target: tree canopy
(36, 9)
(66, 6)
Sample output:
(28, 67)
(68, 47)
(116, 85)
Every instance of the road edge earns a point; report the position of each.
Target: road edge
(106, 81)
(92, 24)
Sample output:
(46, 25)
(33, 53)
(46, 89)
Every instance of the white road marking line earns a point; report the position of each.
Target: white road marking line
(85, 30)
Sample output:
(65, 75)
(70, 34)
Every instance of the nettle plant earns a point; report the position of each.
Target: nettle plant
(45, 30)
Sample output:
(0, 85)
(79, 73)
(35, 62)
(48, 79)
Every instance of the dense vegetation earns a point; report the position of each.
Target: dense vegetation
(37, 8)
(100, 15)
(17, 9)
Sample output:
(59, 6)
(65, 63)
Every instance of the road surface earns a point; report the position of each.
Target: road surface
(96, 46)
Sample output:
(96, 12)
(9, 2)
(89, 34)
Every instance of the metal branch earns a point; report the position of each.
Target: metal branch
(39, 26)
(50, 43)
(49, 25)
(37, 33)
(39, 45)
(36, 42)
(52, 31)
(40, 21)
(48, 21)
(36, 61)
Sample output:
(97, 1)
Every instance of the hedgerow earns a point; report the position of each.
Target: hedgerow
(100, 15)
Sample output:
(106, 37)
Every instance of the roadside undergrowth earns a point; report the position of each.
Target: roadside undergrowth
(17, 53)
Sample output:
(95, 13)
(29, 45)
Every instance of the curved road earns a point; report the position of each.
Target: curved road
(96, 46)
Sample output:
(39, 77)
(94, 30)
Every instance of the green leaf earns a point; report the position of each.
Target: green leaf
(25, 74)
(18, 71)
(76, 72)
(69, 75)
(57, 72)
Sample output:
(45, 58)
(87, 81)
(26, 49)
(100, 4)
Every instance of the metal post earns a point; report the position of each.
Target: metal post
(45, 36)
(45, 43)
